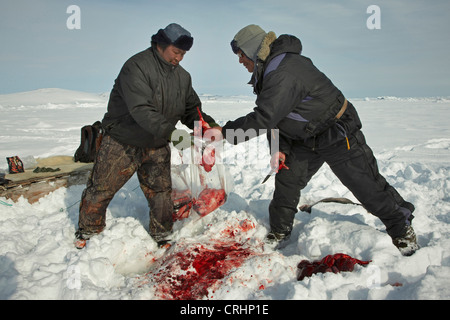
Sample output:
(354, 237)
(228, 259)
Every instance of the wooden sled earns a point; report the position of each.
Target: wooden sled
(33, 186)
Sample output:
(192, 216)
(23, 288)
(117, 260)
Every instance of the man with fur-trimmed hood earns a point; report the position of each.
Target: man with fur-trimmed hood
(316, 124)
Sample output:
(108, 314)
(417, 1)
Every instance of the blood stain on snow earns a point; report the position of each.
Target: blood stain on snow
(242, 226)
(397, 284)
(187, 274)
(189, 271)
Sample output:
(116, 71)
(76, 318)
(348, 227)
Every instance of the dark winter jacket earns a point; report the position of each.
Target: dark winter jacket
(292, 95)
(149, 97)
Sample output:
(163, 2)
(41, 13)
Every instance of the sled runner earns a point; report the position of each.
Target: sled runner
(49, 174)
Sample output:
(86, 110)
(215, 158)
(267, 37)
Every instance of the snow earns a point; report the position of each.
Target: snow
(410, 138)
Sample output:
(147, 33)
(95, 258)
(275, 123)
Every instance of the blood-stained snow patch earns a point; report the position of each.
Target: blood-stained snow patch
(191, 271)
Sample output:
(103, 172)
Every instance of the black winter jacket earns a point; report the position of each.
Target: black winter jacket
(149, 97)
(292, 96)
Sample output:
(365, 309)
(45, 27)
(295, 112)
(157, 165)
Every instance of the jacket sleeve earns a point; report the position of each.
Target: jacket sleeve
(137, 94)
(276, 100)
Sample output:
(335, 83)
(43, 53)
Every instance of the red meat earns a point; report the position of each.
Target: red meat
(209, 152)
(209, 200)
(182, 204)
(208, 158)
(331, 263)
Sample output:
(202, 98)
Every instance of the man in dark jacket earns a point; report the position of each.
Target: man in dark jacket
(316, 124)
(151, 94)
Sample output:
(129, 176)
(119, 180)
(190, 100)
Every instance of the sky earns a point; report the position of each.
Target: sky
(407, 56)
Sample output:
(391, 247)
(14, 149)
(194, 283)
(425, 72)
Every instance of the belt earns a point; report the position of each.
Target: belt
(339, 115)
(325, 120)
(341, 112)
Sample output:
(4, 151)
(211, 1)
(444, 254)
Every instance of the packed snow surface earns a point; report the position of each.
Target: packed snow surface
(410, 138)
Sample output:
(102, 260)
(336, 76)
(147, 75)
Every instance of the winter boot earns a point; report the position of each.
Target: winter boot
(163, 240)
(81, 239)
(164, 244)
(407, 244)
(276, 240)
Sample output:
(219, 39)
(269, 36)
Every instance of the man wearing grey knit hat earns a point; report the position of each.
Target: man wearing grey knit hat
(248, 40)
(315, 125)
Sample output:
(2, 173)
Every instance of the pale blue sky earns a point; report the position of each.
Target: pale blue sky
(408, 56)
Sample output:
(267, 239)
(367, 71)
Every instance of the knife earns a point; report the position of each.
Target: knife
(272, 171)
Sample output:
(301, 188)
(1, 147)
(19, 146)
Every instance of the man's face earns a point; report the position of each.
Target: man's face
(172, 54)
(248, 63)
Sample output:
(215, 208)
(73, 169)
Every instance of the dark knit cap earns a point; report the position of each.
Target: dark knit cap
(176, 35)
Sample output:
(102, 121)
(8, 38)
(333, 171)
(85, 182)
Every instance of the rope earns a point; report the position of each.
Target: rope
(5, 204)
(67, 208)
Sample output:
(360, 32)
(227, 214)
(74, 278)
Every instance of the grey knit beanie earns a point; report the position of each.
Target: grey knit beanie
(248, 40)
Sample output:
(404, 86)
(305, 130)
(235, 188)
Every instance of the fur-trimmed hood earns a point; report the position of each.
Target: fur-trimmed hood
(270, 47)
(264, 50)
(273, 46)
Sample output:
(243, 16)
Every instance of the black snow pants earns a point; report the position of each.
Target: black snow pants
(356, 168)
(115, 164)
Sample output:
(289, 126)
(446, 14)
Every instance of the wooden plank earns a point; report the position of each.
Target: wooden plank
(36, 189)
(33, 186)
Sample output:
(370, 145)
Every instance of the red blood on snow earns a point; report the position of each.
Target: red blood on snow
(331, 263)
(243, 226)
(189, 273)
(397, 284)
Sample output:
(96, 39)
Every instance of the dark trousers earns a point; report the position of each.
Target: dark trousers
(356, 168)
(115, 164)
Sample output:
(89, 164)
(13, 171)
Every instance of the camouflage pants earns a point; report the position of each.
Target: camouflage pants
(115, 164)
